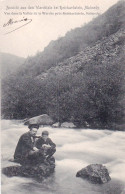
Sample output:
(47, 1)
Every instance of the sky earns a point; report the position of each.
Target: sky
(32, 38)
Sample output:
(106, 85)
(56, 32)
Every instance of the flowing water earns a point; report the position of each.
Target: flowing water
(75, 150)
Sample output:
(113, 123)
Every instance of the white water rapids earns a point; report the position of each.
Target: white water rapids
(75, 149)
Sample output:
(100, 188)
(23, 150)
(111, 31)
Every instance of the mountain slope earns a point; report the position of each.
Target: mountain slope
(104, 51)
(76, 40)
(89, 86)
(9, 64)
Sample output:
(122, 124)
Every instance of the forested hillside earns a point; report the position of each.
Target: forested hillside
(76, 40)
(78, 78)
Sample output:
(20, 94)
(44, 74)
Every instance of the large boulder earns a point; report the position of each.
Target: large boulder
(38, 172)
(68, 125)
(95, 173)
(40, 120)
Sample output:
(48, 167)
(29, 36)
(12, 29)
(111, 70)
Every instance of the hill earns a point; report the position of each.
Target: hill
(76, 40)
(9, 64)
(89, 86)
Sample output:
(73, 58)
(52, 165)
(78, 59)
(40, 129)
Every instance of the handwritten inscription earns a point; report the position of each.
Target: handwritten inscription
(23, 22)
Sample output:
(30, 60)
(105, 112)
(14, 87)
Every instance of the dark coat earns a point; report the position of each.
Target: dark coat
(41, 141)
(23, 147)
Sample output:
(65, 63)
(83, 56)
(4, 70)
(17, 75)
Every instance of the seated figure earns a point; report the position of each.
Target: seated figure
(45, 144)
(26, 152)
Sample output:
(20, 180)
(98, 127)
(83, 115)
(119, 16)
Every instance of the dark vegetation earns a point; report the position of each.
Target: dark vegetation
(78, 78)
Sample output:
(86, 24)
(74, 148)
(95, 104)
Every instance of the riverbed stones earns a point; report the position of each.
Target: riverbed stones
(95, 173)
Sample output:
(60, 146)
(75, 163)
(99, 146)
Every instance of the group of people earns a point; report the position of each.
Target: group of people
(32, 149)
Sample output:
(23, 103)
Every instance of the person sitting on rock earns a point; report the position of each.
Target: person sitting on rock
(45, 144)
(26, 152)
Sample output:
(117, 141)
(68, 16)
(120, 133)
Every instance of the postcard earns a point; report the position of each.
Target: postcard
(62, 96)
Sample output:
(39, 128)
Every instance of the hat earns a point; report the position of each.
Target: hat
(33, 126)
(45, 133)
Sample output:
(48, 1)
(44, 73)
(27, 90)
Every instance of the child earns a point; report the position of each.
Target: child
(45, 144)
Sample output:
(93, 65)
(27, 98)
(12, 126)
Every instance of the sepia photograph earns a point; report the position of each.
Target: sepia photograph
(62, 68)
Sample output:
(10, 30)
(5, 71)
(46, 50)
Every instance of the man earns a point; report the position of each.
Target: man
(45, 144)
(26, 152)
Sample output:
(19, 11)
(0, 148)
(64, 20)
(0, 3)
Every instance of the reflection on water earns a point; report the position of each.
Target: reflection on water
(75, 150)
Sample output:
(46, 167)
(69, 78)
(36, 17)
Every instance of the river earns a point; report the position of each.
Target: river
(76, 148)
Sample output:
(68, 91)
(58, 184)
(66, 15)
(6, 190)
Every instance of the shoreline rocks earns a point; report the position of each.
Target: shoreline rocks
(95, 173)
(56, 125)
(64, 125)
(68, 125)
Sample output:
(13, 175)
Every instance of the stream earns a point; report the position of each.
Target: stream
(76, 148)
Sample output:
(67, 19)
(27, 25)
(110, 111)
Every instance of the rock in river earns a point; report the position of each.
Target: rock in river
(95, 173)
(38, 172)
(40, 120)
